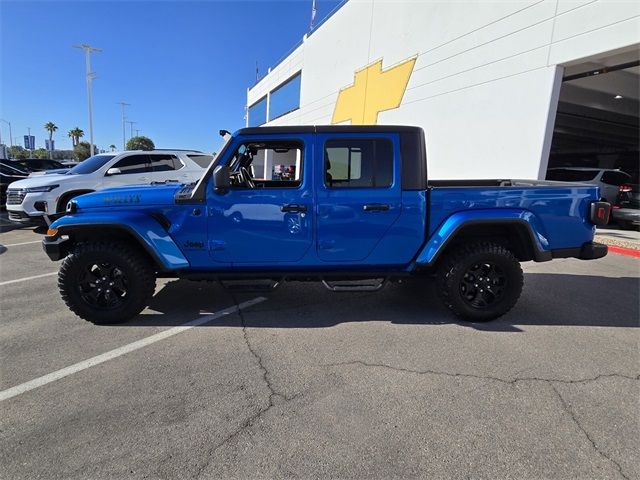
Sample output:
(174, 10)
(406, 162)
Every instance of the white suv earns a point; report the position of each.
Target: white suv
(609, 180)
(29, 199)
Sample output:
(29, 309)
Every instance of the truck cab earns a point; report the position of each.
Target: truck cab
(327, 203)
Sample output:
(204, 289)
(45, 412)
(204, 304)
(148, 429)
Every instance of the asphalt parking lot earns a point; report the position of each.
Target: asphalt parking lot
(304, 383)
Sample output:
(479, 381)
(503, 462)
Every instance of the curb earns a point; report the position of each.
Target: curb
(629, 252)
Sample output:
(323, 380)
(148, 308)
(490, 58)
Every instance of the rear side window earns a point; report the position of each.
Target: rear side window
(165, 163)
(572, 175)
(615, 178)
(358, 163)
(133, 164)
(202, 160)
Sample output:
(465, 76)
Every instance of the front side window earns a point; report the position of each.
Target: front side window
(165, 162)
(133, 164)
(268, 164)
(359, 163)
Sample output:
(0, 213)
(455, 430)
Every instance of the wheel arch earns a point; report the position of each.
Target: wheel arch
(66, 196)
(142, 230)
(517, 231)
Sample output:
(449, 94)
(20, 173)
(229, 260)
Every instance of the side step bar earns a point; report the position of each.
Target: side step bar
(355, 286)
(242, 286)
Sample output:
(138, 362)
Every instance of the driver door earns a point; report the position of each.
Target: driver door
(268, 218)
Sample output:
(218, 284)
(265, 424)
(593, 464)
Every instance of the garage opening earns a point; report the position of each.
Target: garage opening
(598, 122)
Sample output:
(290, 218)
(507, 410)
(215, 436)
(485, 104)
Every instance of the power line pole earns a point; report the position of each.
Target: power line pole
(10, 134)
(137, 132)
(131, 124)
(88, 50)
(124, 135)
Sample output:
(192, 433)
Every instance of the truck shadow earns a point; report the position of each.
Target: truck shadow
(547, 299)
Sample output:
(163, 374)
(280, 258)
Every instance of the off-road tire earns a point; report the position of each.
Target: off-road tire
(136, 269)
(452, 274)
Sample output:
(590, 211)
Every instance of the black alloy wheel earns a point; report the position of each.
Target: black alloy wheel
(103, 285)
(483, 284)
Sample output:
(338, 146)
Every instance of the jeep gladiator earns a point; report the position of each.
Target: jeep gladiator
(350, 206)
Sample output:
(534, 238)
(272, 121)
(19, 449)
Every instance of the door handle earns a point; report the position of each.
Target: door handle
(293, 208)
(376, 207)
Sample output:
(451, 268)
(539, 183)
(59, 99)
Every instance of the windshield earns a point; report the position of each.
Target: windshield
(90, 165)
(14, 169)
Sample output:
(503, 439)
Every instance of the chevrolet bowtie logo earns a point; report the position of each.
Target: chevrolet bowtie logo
(372, 92)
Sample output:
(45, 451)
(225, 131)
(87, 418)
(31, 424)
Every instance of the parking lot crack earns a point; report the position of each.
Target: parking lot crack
(567, 408)
(483, 377)
(550, 381)
(271, 400)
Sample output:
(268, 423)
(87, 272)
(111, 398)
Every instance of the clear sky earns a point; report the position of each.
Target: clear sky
(184, 66)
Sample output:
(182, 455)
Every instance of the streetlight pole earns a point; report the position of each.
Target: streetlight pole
(10, 134)
(124, 135)
(90, 76)
(29, 130)
(131, 124)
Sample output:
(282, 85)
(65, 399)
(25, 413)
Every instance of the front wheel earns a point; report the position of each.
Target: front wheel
(480, 281)
(106, 282)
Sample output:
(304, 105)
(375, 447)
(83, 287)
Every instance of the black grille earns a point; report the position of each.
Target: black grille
(15, 197)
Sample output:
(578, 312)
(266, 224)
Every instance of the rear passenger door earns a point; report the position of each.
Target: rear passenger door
(166, 166)
(358, 194)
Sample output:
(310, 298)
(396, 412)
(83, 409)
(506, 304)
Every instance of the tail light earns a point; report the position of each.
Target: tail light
(599, 213)
(624, 188)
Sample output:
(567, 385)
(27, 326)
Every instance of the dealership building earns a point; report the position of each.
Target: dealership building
(503, 89)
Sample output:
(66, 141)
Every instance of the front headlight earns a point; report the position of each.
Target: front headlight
(46, 188)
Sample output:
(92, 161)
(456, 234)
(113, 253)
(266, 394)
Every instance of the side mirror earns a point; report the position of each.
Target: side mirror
(221, 180)
(113, 171)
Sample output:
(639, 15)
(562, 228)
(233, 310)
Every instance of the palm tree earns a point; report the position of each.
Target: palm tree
(50, 127)
(75, 135)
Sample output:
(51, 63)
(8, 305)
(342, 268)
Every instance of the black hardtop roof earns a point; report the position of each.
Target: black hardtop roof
(329, 129)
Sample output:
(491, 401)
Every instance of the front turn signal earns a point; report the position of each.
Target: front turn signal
(52, 232)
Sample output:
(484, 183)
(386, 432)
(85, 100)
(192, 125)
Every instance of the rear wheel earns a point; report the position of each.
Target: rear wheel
(480, 281)
(106, 282)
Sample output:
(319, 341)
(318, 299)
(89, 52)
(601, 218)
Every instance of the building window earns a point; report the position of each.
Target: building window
(285, 98)
(358, 163)
(258, 112)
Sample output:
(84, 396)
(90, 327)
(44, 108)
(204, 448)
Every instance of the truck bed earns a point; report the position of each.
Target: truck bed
(561, 209)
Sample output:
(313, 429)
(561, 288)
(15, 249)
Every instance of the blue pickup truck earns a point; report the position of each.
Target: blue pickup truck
(349, 206)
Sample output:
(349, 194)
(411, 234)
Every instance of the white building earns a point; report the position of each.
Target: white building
(484, 79)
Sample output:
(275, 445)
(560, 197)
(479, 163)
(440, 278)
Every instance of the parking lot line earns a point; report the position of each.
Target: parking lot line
(22, 243)
(110, 355)
(17, 280)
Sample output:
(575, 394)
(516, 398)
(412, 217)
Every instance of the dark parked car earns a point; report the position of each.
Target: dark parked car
(626, 210)
(39, 164)
(9, 174)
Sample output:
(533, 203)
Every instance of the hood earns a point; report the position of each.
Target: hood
(130, 196)
(40, 181)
